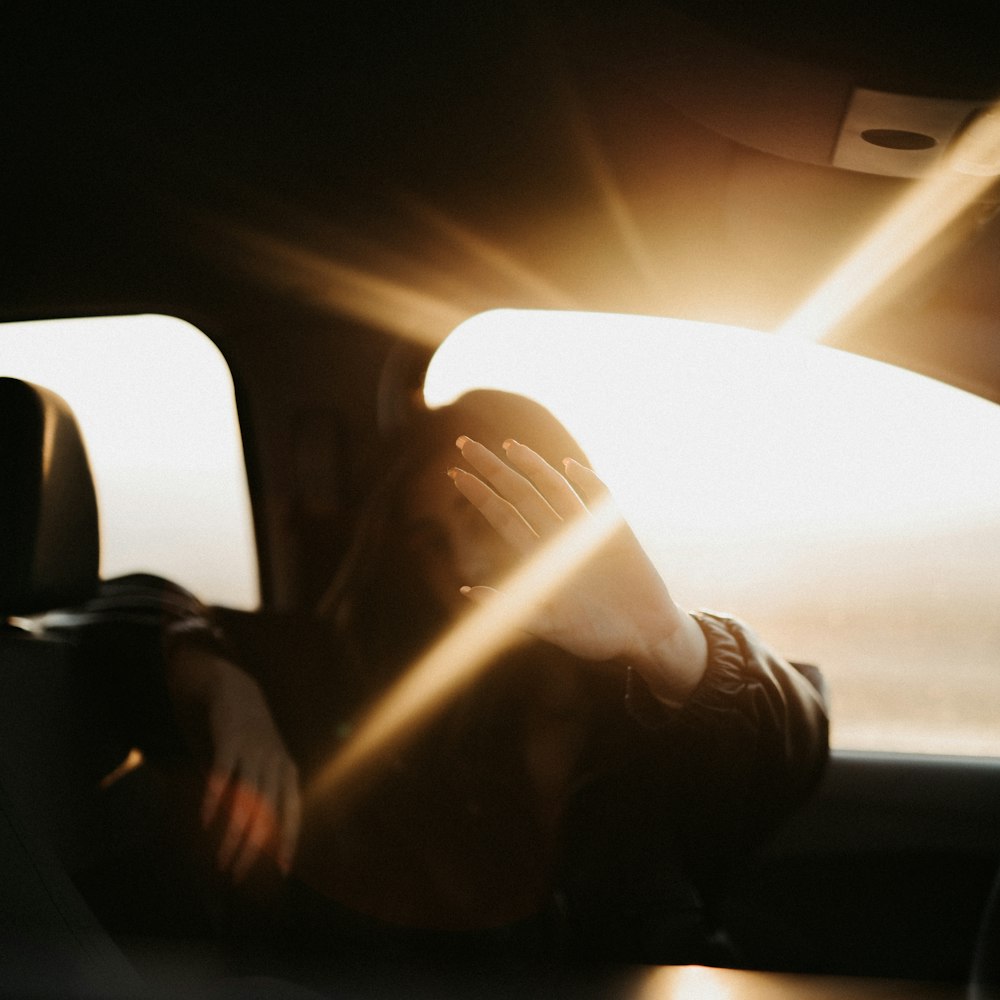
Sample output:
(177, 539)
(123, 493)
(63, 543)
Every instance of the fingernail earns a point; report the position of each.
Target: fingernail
(464, 590)
(453, 472)
(508, 444)
(461, 442)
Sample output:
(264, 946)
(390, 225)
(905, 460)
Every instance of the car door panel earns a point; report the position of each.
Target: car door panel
(884, 872)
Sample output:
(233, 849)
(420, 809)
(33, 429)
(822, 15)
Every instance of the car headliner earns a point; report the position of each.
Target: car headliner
(321, 192)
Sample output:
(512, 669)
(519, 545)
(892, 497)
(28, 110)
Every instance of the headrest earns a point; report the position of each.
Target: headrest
(49, 542)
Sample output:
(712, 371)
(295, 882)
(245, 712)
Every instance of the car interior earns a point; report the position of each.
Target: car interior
(326, 195)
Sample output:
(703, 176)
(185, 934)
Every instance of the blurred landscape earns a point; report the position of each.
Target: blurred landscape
(906, 629)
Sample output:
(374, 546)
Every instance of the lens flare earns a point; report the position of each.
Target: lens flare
(690, 981)
(474, 247)
(399, 305)
(464, 650)
(914, 223)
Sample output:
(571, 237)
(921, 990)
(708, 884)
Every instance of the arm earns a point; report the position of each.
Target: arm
(614, 605)
(176, 691)
(722, 739)
(744, 717)
(251, 780)
(653, 846)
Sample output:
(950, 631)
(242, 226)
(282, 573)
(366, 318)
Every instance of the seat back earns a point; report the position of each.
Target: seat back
(49, 545)
(56, 741)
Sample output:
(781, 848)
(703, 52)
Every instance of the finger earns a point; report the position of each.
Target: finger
(480, 595)
(500, 513)
(590, 483)
(243, 804)
(509, 484)
(557, 492)
(540, 620)
(250, 848)
(221, 780)
(290, 818)
(260, 832)
(216, 785)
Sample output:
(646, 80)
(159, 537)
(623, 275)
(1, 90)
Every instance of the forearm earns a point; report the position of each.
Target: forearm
(753, 717)
(671, 655)
(723, 770)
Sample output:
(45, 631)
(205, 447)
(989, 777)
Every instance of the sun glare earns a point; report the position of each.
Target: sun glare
(843, 506)
(463, 651)
(919, 219)
(715, 433)
(690, 981)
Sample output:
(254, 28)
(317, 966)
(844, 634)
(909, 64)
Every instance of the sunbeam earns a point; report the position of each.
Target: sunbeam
(610, 191)
(366, 294)
(915, 222)
(464, 650)
(499, 260)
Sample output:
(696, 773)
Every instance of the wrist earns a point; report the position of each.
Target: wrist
(673, 658)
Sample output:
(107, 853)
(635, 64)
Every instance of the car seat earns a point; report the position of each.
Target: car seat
(55, 743)
(58, 742)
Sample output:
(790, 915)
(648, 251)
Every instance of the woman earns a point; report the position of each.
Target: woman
(468, 815)
(586, 791)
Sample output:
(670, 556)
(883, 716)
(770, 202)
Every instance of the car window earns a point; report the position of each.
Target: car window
(849, 510)
(154, 399)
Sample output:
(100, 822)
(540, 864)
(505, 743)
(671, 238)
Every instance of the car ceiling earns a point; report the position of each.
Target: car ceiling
(534, 153)
(316, 189)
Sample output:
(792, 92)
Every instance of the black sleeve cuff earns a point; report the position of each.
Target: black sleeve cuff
(724, 678)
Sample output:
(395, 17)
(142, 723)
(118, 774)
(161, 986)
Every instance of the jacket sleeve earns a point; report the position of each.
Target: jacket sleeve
(681, 798)
(123, 636)
(752, 698)
(747, 747)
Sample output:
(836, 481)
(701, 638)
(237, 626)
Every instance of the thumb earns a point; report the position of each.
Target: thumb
(535, 621)
(480, 595)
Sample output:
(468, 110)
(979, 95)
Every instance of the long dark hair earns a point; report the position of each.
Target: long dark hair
(455, 831)
(378, 600)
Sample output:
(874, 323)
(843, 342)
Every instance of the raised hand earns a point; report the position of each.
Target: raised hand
(616, 605)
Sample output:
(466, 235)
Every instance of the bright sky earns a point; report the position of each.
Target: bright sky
(760, 471)
(154, 398)
(849, 510)
(719, 432)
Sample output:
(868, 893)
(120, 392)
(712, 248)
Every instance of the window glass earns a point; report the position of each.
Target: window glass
(154, 399)
(849, 510)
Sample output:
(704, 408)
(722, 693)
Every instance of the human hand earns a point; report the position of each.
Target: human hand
(252, 785)
(615, 605)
